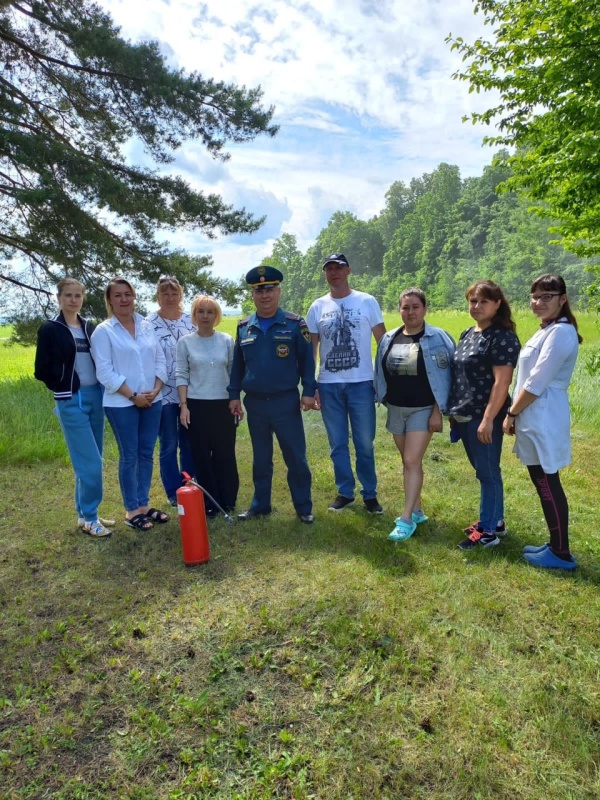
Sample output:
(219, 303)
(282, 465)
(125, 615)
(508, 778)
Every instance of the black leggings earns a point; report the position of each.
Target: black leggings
(555, 508)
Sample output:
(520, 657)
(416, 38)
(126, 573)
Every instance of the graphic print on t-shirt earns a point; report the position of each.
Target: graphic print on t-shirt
(402, 359)
(82, 344)
(342, 330)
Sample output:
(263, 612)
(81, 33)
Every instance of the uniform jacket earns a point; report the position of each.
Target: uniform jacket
(438, 354)
(275, 361)
(55, 356)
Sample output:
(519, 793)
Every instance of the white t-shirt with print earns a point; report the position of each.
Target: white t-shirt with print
(344, 326)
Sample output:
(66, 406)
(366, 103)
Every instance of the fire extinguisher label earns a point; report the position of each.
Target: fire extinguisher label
(181, 510)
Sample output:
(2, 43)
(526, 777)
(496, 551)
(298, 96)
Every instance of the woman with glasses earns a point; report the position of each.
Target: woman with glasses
(485, 358)
(130, 364)
(170, 324)
(64, 363)
(204, 361)
(539, 416)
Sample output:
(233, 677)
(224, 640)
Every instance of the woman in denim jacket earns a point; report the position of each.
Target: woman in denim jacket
(413, 376)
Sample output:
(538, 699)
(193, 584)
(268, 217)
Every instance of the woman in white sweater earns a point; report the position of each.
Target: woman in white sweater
(540, 417)
(202, 375)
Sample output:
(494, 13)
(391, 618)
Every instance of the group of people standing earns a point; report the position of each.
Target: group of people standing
(152, 383)
(172, 376)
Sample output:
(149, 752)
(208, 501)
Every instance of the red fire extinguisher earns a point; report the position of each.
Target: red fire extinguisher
(192, 521)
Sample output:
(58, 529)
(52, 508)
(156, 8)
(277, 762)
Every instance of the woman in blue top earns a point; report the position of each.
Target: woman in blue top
(413, 369)
(64, 363)
(485, 359)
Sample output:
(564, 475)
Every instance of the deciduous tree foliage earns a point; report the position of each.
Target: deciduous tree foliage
(542, 63)
(441, 233)
(74, 98)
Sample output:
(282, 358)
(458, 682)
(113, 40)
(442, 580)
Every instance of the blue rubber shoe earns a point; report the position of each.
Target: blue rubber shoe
(547, 560)
(403, 530)
(532, 548)
(419, 517)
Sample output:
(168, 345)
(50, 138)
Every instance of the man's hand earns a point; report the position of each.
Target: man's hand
(306, 403)
(236, 408)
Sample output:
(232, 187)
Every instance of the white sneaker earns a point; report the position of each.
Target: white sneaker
(96, 529)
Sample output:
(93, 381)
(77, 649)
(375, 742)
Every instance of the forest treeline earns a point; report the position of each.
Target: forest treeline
(439, 232)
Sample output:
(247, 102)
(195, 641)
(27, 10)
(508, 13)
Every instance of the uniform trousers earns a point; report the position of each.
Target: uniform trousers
(278, 414)
(211, 434)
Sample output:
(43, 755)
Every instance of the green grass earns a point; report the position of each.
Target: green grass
(299, 662)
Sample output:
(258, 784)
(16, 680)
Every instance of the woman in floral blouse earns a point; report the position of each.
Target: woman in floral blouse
(170, 323)
(484, 363)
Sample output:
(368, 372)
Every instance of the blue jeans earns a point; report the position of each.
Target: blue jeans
(136, 432)
(278, 414)
(354, 402)
(172, 436)
(82, 421)
(485, 460)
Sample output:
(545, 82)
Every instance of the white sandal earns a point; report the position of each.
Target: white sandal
(81, 522)
(96, 529)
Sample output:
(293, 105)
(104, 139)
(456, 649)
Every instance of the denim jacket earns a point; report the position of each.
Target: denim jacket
(438, 354)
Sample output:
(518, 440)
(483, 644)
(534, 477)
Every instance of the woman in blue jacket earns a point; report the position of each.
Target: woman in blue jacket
(413, 376)
(63, 361)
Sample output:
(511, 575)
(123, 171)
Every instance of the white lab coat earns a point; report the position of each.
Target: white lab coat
(545, 366)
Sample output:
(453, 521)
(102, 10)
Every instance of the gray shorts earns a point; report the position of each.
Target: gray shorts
(402, 419)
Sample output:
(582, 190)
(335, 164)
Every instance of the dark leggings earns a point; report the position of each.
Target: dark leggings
(555, 508)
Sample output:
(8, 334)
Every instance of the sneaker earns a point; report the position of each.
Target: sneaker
(532, 548)
(501, 529)
(340, 503)
(418, 517)
(403, 530)
(373, 507)
(476, 537)
(96, 529)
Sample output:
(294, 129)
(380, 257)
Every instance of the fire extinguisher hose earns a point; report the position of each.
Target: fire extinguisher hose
(188, 479)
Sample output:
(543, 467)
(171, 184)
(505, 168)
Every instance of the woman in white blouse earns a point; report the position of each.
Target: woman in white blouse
(539, 415)
(203, 365)
(131, 365)
(170, 324)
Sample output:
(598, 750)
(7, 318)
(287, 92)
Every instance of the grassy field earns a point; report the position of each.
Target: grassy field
(299, 662)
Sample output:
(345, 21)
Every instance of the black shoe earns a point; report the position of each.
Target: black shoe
(372, 505)
(307, 519)
(251, 514)
(340, 503)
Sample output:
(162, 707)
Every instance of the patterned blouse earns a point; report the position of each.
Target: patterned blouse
(169, 332)
(478, 352)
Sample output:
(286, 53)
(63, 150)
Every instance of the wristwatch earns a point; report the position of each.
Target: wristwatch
(133, 396)
(510, 414)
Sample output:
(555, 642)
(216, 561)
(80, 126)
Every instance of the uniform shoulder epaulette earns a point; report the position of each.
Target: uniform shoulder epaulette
(244, 320)
(291, 315)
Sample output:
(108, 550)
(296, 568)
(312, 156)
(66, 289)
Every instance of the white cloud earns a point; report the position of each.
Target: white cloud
(362, 90)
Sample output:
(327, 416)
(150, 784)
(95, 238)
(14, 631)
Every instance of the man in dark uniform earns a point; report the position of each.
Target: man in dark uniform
(273, 353)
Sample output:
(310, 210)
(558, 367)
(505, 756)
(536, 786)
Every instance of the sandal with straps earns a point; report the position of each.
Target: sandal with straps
(96, 529)
(156, 515)
(141, 522)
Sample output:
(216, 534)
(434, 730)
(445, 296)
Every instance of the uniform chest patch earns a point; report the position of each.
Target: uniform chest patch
(282, 350)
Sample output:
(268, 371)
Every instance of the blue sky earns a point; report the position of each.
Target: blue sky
(362, 91)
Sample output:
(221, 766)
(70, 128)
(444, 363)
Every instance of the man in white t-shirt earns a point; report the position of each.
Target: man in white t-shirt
(341, 324)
